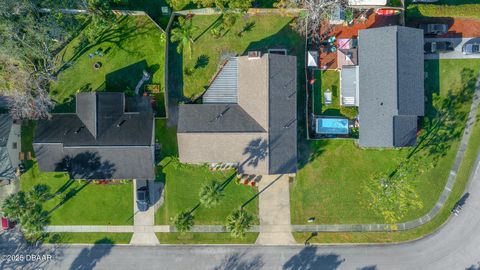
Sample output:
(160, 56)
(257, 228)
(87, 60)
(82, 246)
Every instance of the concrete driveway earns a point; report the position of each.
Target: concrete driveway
(274, 211)
(457, 53)
(143, 221)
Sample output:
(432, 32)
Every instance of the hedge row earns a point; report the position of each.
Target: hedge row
(429, 10)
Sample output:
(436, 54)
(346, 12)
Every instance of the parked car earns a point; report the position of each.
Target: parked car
(7, 224)
(142, 198)
(438, 46)
(434, 28)
(471, 48)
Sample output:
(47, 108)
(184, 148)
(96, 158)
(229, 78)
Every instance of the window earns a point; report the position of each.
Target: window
(14, 145)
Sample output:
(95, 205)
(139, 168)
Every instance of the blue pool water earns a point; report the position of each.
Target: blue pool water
(332, 126)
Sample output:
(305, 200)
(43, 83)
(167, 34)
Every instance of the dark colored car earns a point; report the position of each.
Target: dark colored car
(434, 28)
(142, 198)
(471, 48)
(438, 46)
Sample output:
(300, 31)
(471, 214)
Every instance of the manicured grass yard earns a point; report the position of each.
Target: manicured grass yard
(88, 238)
(331, 185)
(445, 8)
(135, 44)
(205, 238)
(329, 80)
(466, 169)
(268, 32)
(183, 183)
(90, 204)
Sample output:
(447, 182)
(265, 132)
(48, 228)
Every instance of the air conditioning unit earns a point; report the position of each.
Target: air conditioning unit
(254, 55)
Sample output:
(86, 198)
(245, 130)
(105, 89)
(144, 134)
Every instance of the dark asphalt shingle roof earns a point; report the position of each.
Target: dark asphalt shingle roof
(215, 118)
(6, 169)
(123, 137)
(391, 83)
(282, 114)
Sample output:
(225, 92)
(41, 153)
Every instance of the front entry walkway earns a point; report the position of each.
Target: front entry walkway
(275, 228)
(143, 220)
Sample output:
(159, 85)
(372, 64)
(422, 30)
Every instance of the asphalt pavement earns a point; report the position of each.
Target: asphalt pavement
(457, 52)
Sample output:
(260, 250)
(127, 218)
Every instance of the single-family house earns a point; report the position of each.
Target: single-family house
(110, 136)
(391, 85)
(248, 117)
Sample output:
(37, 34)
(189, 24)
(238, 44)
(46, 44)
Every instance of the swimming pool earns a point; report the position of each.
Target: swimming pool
(332, 126)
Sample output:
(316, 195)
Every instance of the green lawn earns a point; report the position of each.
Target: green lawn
(329, 80)
(183, 184)
(466, 169)
(87, 238)
(269, 31)
(132, 46)
(205, 238)
(452, 8)
(89, 203)
(333, 174)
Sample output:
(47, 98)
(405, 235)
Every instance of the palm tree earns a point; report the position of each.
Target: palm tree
(238, 222)
(183, 222)
(183, 34)
(39, 194)
(210, 194)
(14, 206)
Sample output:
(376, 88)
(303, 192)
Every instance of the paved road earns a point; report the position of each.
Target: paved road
(457, 53)
(455, 246)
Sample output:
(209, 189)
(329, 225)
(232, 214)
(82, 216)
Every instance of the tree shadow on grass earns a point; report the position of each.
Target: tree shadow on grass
(117, 35)
(89, 257)
(445, 119)
(67, 196)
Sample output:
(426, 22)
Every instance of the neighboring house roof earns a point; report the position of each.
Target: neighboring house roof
(349, 87)
(7, 171)
(391, 77)
(259, 132)
(109, 137)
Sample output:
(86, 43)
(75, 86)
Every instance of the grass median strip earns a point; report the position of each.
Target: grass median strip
(205, 238)
(87, 238)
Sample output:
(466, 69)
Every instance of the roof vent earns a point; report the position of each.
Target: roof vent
(254, 55)
(79, 129)
(121, 123)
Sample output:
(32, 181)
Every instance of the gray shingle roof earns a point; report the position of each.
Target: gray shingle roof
(391, 84)
(271, 85)
(215, 118)
(6, 169)
(107, 131)
(282, 114)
